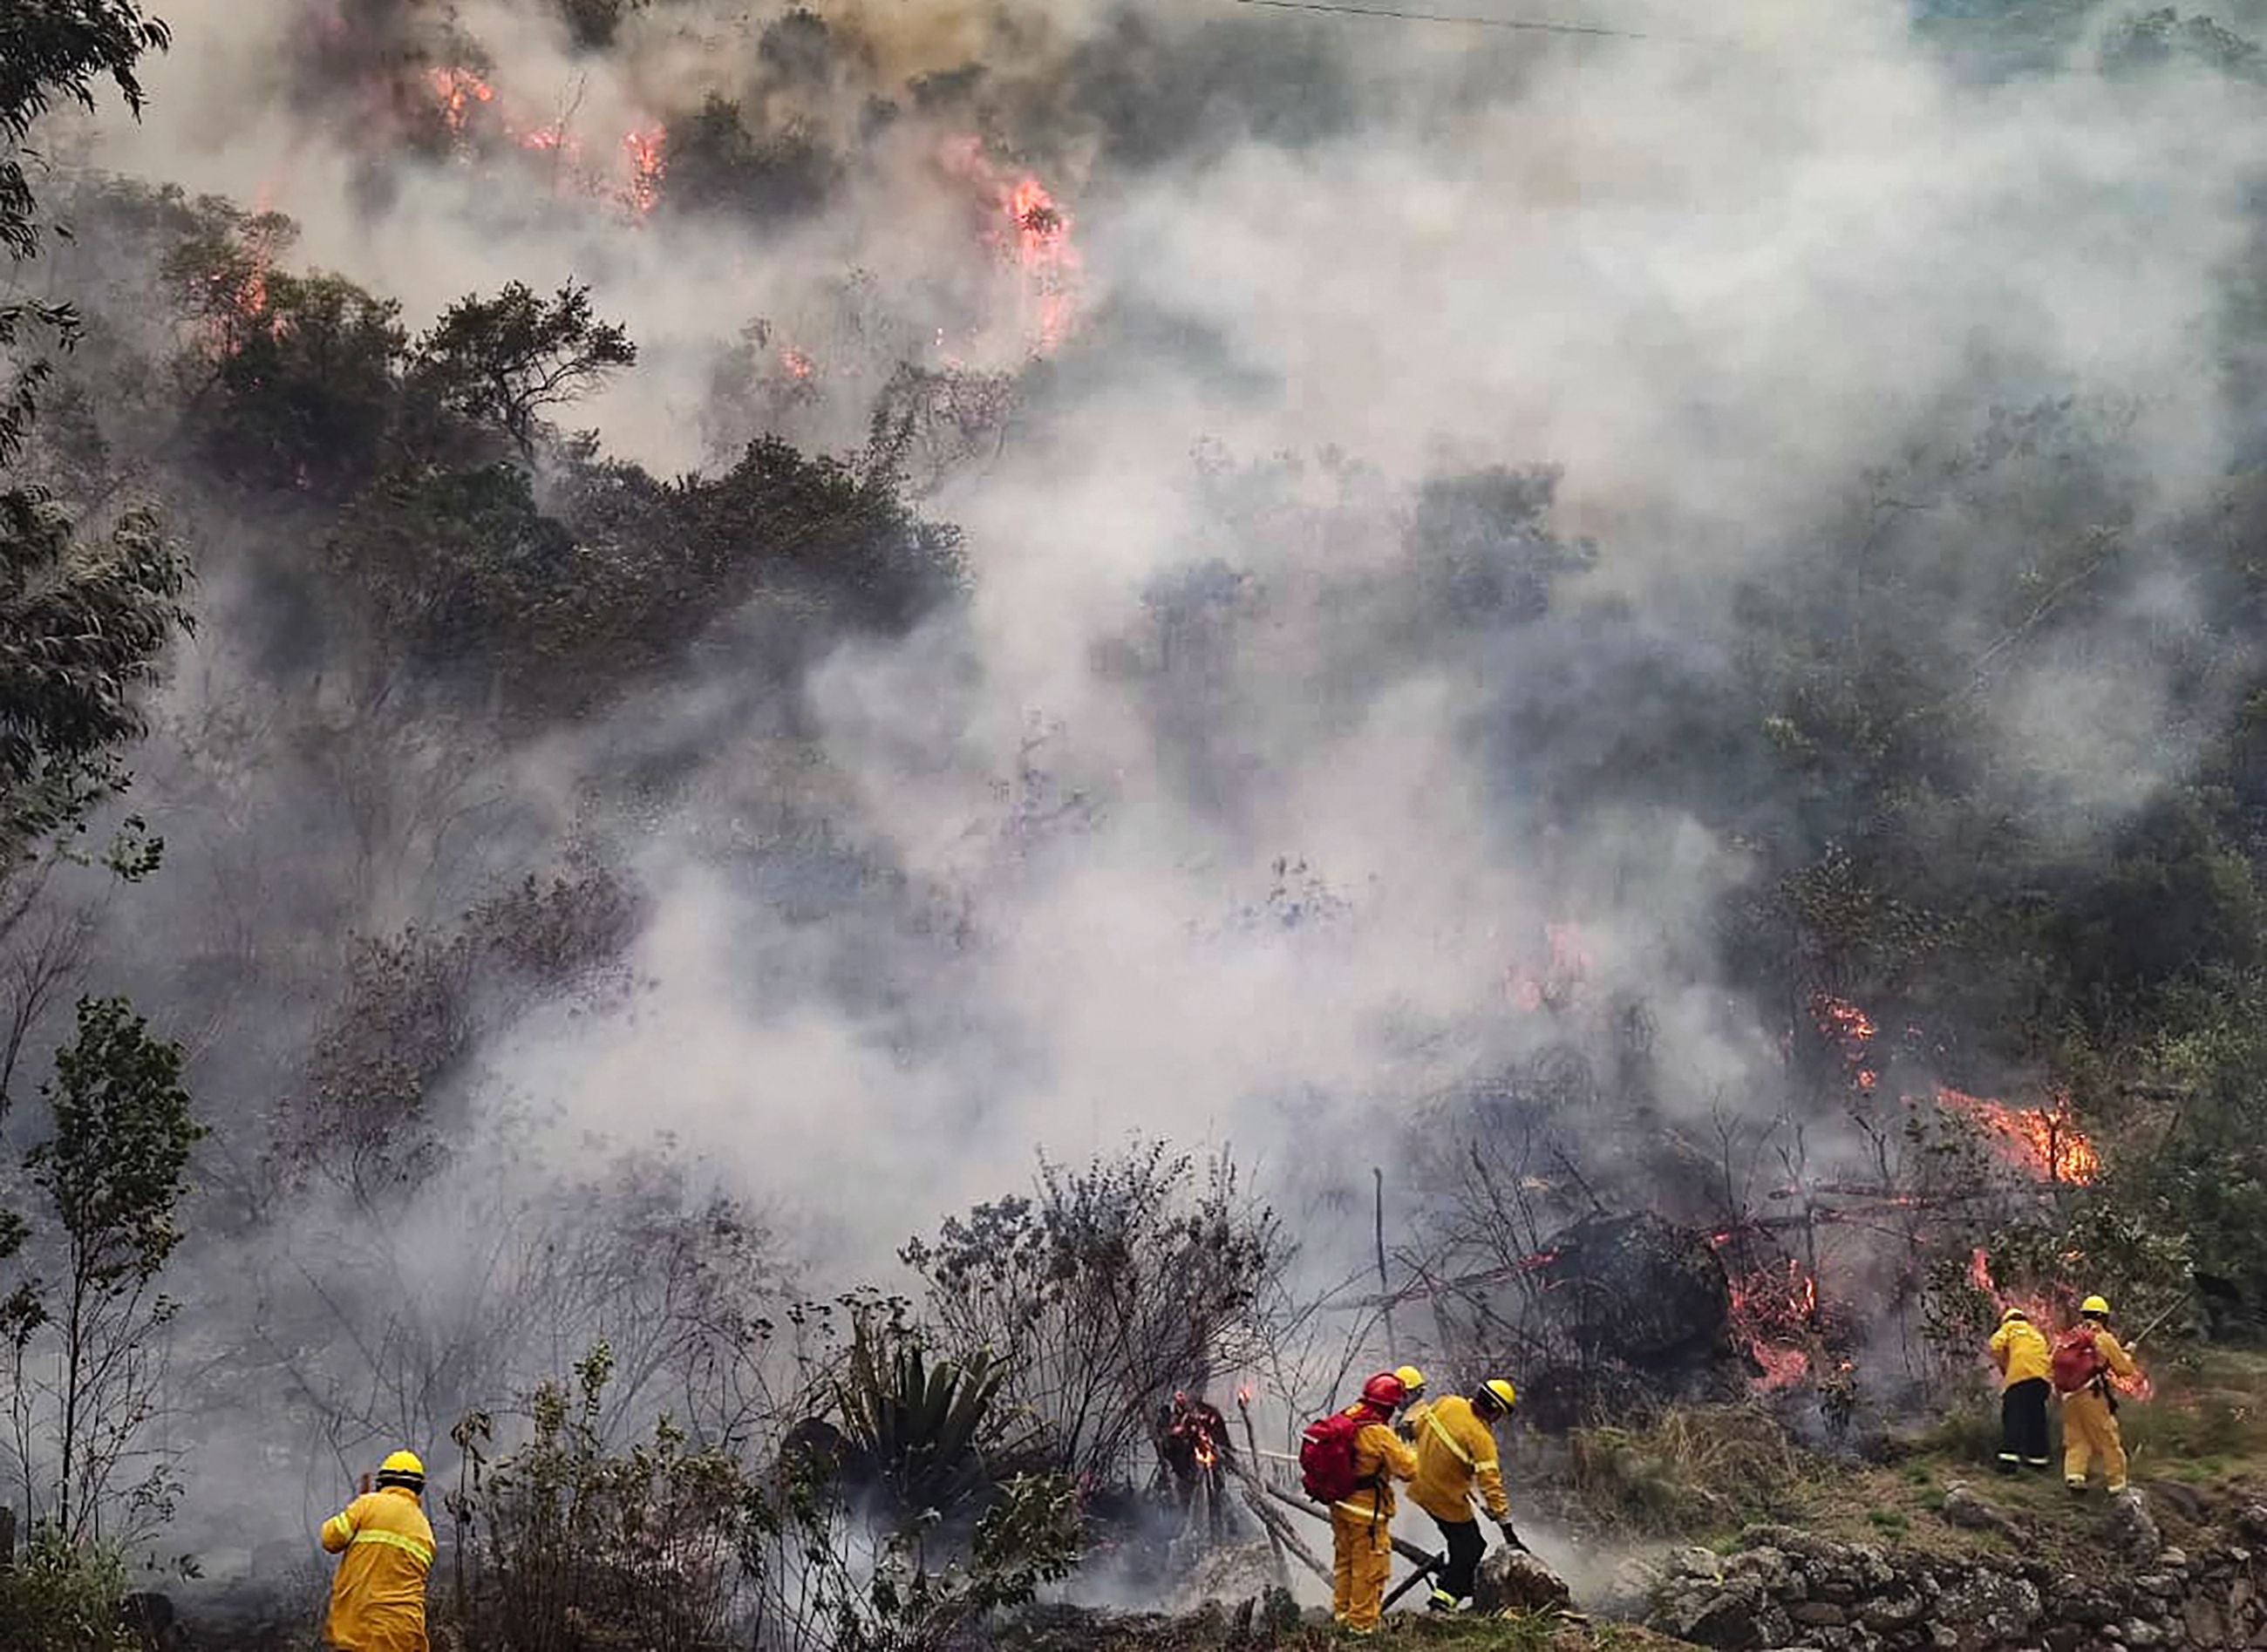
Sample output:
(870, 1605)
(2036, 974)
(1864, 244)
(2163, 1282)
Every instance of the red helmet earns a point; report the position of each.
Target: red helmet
(1383, 1391)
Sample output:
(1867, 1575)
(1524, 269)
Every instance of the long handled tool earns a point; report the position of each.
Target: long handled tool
(1430, 1568)
(1406, 1550)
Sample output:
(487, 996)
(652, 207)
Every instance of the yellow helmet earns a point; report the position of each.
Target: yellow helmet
(402, 1468)
(1412, 1380)
(2013, 1313)
(1504, 1393)
(2095, 1304)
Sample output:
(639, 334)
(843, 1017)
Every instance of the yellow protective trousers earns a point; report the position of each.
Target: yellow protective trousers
(2089, 1429)
(1361, 1557)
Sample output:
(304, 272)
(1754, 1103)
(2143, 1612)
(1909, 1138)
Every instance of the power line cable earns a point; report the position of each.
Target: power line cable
(1530, 25)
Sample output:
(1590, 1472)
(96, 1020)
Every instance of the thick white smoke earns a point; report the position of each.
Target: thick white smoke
(1716, 284)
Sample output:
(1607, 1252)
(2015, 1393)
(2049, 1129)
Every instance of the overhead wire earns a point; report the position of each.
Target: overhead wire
(1531, 24)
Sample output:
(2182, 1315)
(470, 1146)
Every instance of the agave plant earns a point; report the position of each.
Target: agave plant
(926, 1430)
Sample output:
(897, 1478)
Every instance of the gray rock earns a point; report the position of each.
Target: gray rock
(1726, 1617)
(1773, 1572)
(1899, 1610)
(2174, 1559)
(1817, 1614)
(2206, 1622)
(1963, 1507)
(2253, 1522)
(1633, 1584)
(1511, 1581)
(1999, 1606)
(2129, 1529)
(2136, 1632)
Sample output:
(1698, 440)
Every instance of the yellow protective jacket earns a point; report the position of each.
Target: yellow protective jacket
(378, 1599)
(1380, 1456)
(2019, 1348)
(1455, 1450)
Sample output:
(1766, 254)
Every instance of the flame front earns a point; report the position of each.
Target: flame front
(647, 162)
(2045, 1141)
(1774, 1315)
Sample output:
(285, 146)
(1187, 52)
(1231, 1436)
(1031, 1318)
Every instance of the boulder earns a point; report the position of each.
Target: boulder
(2129, 1529)
(1963, 1507)
(1727, 1616)
(1511, 1580)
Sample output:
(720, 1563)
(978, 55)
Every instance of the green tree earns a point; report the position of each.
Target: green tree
(115, 1172)
(81, 631)
(301, 375)
(51, 52)
(504, 361)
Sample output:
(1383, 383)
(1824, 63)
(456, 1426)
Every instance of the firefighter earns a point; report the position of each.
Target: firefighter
(1456, 1455)
(2085, 1359)
(386, 1549)
(2019, 1350)
(1361, 1523)
(1412, 1409)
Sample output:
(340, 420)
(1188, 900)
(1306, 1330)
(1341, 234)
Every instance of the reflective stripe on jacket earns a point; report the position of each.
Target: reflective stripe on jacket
(1455, 1451)
(385, 1549)
(1380, 1456)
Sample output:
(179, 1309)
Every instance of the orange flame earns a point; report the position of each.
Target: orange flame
(1244, 1395)
(1774, 1309)
(647, 162)
(1032, 229)
(2045, 1141)
(1851, 1031)
(1049, 262)
(460, 89)
(797, 364)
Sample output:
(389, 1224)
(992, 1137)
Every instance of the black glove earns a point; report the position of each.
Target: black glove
(1510, 1537)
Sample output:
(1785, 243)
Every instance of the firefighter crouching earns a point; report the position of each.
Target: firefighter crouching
(2019, 1350)
(385, 1549)
(1350, 1460)
(2086, 1357)
(1457, 1455)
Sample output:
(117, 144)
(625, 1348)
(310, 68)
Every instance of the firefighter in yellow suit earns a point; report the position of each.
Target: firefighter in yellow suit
(1361, 1525)
(2089, 1414)
(386, 1549)
(1455, 1456)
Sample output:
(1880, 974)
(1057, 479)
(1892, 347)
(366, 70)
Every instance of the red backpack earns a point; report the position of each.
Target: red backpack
(2077, 1362)
(1326, 1456)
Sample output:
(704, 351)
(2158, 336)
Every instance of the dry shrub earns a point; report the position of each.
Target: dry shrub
(1692, 1468)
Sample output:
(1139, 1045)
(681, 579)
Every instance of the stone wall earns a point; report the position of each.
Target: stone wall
(1785, 1589)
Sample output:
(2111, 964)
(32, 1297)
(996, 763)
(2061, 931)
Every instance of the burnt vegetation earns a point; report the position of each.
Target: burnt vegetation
(2003, 926)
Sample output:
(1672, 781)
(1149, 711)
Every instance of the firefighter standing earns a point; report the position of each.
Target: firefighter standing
(385, 1549)
(2019, 1350)
(1361, 1523)
(2086, 1357)
(1456, 1454)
